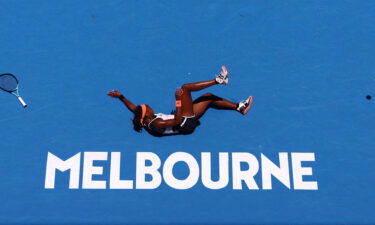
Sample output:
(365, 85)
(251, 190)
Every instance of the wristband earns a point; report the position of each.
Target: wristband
(121, 97)
(178, 103)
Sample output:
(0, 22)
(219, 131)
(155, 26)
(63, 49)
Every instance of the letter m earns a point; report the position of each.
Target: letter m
(54, 163)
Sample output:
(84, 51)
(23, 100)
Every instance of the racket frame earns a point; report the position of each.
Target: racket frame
(15, 91)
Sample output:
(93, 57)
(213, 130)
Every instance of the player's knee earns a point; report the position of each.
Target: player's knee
(185, 88)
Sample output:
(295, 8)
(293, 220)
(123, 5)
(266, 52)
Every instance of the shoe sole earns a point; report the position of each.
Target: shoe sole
(249, 106)
(224, 69)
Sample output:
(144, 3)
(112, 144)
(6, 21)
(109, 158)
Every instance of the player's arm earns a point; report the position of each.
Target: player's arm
(128, 104)
(160, 124)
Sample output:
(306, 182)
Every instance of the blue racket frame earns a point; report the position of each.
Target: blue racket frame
(15, 92)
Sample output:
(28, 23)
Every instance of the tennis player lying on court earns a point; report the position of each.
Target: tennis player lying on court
(187, 114)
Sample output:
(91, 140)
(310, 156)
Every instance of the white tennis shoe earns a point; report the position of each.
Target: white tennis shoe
(222, 77)
(245, 105)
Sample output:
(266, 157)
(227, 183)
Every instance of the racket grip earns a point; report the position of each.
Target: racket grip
(22, 102)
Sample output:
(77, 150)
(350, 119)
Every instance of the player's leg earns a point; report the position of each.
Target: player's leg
(186, 99)
(221, 78)
(210, 100)
(187, 102)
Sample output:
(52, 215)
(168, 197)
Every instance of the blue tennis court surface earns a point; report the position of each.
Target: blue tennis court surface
(308, 64)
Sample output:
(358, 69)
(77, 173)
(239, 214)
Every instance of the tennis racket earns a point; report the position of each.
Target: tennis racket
(9, 83)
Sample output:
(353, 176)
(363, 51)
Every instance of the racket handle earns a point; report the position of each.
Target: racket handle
(22, 102)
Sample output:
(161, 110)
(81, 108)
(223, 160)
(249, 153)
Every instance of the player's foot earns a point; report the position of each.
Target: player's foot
(245, 105)
(222, 77)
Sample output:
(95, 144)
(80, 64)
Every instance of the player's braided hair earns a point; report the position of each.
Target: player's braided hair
(137, 126)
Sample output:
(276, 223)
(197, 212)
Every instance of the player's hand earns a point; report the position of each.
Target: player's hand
(114, 94)
(178, 93)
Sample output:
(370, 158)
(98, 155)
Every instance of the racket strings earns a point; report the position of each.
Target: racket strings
(8, 83)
